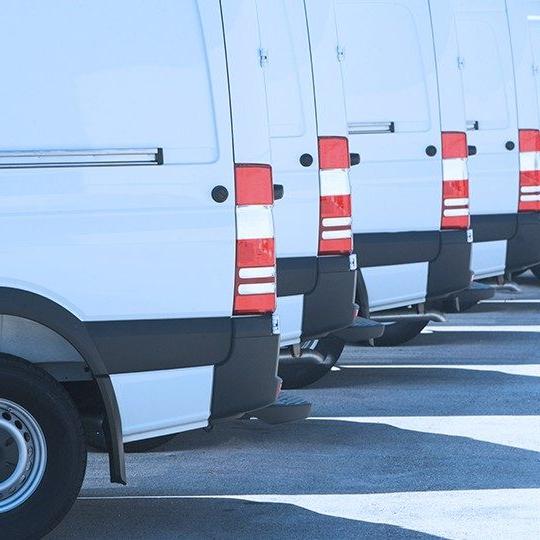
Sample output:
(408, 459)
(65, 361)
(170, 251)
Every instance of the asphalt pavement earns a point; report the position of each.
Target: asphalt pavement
(438, 438)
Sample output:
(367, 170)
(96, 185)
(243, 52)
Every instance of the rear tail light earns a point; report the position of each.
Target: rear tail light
(255, 281)
(529, 175)
(455, 210)
(335, 235)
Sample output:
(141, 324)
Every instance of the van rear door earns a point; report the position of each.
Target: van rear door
(286, 58)
(393, 122)
(486, 65)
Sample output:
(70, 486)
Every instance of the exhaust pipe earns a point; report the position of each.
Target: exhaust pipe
(413, 317)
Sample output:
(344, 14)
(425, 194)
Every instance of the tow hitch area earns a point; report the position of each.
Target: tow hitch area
(362, 330)
(286, 408)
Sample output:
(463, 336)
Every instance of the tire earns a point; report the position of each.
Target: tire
(36, 410)
(399, 333)
(536, 271)
(297, 376)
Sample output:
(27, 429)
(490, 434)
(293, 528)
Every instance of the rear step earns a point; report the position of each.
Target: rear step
(361, 330)
(286, 408)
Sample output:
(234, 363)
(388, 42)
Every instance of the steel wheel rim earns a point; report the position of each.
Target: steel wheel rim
(23, 455)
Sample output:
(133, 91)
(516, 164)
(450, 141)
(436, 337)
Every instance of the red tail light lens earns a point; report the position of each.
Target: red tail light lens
(334, 153)
(455, 211)
(529, 175)
(255, 281)
(335, 235)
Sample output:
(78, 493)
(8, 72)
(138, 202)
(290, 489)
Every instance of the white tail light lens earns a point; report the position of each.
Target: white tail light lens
(335, 235)
(455, 210)
(529, 175)
(255, 282)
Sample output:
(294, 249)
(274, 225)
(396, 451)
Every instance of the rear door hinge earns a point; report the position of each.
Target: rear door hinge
(340, 53)
(461, 62)
(263, 57)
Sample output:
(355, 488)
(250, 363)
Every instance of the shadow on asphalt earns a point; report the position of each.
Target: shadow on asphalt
(395, 391)
(212, 518)
(315, 457)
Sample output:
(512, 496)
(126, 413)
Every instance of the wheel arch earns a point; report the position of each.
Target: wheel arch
(35, 316)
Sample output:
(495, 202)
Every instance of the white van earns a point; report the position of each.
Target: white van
(138, 264)
(316, 270)
(524, 247)
(410, 195)
(501, 231)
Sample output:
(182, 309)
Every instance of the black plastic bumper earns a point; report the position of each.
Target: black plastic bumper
(328, 285)
(524, 247)
(330, 305)
(450, 271)
(247, 380)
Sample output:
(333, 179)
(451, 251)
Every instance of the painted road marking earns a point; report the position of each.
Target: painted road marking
(464, 514)
(515, 431)
(533, 328)
(526, 370)
(512, 301)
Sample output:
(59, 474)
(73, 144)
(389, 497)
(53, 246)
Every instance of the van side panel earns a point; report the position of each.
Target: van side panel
(158, 403)
(118, 242)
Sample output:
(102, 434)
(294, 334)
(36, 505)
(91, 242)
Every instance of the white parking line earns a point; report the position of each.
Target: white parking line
(512, 301)
(465, 514)
(532, 328)
(526, 370)
(515, 431)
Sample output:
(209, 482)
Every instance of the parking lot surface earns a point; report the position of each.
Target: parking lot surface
(438, 438)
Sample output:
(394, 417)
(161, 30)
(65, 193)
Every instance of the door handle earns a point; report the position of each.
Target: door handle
(306, 160)
(431, 150)
(279, 191)
(355, 159)
(472, 150)
(220, 194)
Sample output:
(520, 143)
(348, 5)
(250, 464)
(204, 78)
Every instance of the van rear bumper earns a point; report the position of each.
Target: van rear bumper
(330, 305)
(450, 271)
(247, 380)
(524, 247)
(329, 287)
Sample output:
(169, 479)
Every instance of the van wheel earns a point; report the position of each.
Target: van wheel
(42, 451)
(536, 271)
(296, 375)
(400, 332)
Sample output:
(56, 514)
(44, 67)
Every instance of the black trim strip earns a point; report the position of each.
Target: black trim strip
(150, 345)
(494, 227)
(389, 249)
